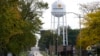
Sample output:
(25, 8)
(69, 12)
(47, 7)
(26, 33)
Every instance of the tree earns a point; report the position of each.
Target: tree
(30, 11)
(47, 38)
(10, 22)
(90, 33)
(72, 34)
(89, 7)
(16, 32)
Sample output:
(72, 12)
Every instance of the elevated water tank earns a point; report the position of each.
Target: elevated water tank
(58, 9)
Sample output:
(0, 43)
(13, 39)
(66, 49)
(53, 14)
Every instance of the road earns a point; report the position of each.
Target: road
(35, 51)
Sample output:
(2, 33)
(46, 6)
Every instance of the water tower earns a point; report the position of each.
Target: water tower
(59, 17)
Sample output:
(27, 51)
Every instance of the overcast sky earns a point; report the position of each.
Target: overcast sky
(71, 6)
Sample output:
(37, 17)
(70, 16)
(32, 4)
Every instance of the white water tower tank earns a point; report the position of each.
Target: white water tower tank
(58, 9)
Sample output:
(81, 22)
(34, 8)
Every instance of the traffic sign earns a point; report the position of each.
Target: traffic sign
(88, 48)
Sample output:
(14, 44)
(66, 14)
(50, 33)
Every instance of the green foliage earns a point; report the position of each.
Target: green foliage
(11, 24)
(29, 11)
(49, 38)
(90, 34)
(30, 14)
(72, 35)
(21, 42)
(17, 33)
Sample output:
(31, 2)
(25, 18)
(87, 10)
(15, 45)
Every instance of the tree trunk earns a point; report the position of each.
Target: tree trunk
(13, 54)
(5, 53)
(1, 54)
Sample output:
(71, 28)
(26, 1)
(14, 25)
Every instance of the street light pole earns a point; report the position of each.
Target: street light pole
(79, 16)
(80, 35)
